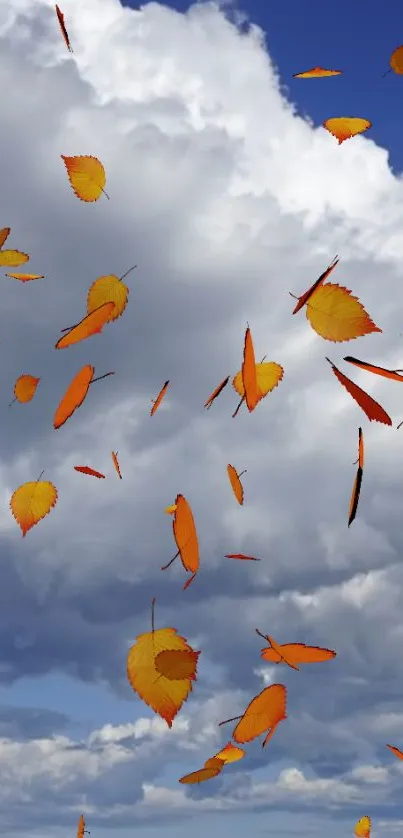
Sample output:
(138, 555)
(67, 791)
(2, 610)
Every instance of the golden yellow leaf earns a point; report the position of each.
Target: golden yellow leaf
(31, 502)
(86, 175)
(108, 289)
(363, 827)
(163, 695)
(177, 664)
(336, 315)
(230, 753)
(345, 127)
(12, 258)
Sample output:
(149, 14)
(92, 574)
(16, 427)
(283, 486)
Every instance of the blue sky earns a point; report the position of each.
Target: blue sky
(227, 198)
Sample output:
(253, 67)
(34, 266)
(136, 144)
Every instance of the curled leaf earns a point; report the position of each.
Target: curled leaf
(159, 398)
(116, 463)
(60, 17)
(25, 277)
(4, 234)
(211, 769)
(90, 325)
(355, 495)
(89, 470)
(216, 392)
(317, 73)
(241, 556)
(303, 299)
(395, 375)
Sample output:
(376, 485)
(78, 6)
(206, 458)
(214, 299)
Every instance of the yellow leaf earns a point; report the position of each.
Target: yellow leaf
(163, 695)
(363, 827)
(230, 753)
(268, 374)
(170, 509)
(86, 175)
(31, 502)
(336, 315)
(177, 664)
(12, 258)
(108, 289)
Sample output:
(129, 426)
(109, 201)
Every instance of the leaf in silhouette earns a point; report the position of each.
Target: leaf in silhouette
(25, 277)
(355, 495)
(303, 299)
(176, 664)
(216, 392)
(60, 17)
(396, 61)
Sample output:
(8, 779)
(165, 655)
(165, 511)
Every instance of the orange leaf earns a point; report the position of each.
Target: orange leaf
(91, 324)
(264, 712)
(336, 315)
(212, 768)
(109, 289)
(249, 377)
(74, 395)
(370, 407)
(216, 392)
(306, 296)
(393, 374)
(293, 654)
(89, 470)
(159, 398)
(81, 827)
(355, 495)
(31, 502)
(230, 753)
(4, 234)
(116, 463)
(86, 175)
(241, 556)
(60, 17)
(345, 127)
(317, 73)
(396, 751)
(25, 277)
(396, 61)
(185, 536)
(165, 696)
(25, 388)
(363, 827)
(236, 484)
(177, 664)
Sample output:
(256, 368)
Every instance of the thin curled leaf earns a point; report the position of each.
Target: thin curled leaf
(31, 502)
(60, 17)
(242, 557)
(303, 299)
(317, 73)
(396, 751)
(394, 375)
(248, 373)
(25, 277)
(86, 175)
(116, 463)
(212, 768)
(90, 325)
(4, 234)
(371, 408)
(159, 398)
(355, 495)
(90, 471)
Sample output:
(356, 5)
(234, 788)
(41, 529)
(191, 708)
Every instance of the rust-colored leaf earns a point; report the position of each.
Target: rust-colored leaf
(395, 375)
(116, 463)
(60, 17)
(396, 751)
(216, 392)
(88, 470)
(159, 398)
(4, 234)
(355, 495)
(317, 73)
(242, 557)
(371, 408)
(91, 324)
(249, 377)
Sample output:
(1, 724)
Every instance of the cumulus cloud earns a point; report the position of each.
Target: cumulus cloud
(226, 199)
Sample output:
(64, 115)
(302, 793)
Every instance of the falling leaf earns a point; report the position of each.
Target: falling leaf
(363, 827)
(396, 751)
(345, 127)
(248, 372)
(177, 664)
(116, 463)
(212, 768)
(352, 511)
(336, 315)
(86, 175)
(91, 324)
(308, 294)
(31, 502)
(4, 234)
(25, 388)
(159, 398)
(216, 392)
(268, 376)
(12, 258)
(395, 375)
(230, 753)
(236, 484)
(317, 73)
(185, 536)
(293, 654)
(89, 470)
(163, 695)
(60, 17)
(75, 394)
(264, 712)
(25, 277)
(371, 408)
(81, 827)
(109, 289)
(241, 556)
(396, 61)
